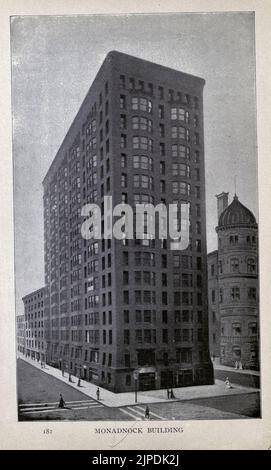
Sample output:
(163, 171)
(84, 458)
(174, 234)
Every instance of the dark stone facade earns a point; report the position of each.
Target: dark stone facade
(129, 314)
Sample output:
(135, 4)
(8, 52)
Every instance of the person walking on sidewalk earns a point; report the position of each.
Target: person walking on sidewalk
(227, 383)
(98, 394)
(79, 383)
(147, 412)
(61, 403)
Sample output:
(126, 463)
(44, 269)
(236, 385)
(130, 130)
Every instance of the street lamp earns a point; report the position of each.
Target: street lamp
(135, 379)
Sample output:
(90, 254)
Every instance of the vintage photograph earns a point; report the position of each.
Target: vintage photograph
(136, 217)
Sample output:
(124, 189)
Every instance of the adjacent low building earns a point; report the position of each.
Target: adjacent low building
(20, 333)
(34, 324)
(234, 287)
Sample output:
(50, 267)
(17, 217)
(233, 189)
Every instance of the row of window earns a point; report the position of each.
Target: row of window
(132, 84)
(235, 239)
(149, 336)
(235, 294)
(235, 266)
(149, 297)
(236, 329)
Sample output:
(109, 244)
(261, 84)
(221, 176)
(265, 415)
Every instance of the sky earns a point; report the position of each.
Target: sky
(56, 58)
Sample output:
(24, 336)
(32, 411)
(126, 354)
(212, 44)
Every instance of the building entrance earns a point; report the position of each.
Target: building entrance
(147, 381)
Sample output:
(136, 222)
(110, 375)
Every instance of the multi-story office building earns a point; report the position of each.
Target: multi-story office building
(35, 346)
(126, 313)
(20, 333)
(233, 287)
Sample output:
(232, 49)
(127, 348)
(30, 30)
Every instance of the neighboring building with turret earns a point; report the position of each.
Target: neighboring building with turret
(233, 288)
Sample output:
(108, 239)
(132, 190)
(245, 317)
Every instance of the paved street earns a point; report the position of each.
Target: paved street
(38, 395)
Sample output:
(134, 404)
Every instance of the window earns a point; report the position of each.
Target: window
(161, 92)
(179, 114)
(138, 334)
(252, 293)
(213, 295)
(124, 180)
(126, 297)
(122, 81)
(234, 265)
(138, 316)
(126, 337)
(233, 239)
(252, 329)
(165, 336)
(125, 258)
(123, 141)
(182, 151)
(142, 123)
(143, 181)
(126, 316)
(164, 298)
(143, 143)
(180, 133)
(180, 169)
(138, 297)
(251, 265)
(180, 187)
(161, 111)
(235, 293)
(125, 277)
(236, 329)
(161, 130)
(122, 121)
(141, 104)
(123, 160)
(143, 162)
(122, 102)
(162, 168)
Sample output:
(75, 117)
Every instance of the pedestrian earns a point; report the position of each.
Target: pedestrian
(61, 403)
(98, 394)
(172, 394)
(70, 378)
(63, 373)
(236, 365)
(41, 364)
(147, 412)
(79, 383)
(227, 383)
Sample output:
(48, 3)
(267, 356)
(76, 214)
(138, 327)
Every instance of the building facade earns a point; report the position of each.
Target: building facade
(234, 287)
(34, 324)
(20, 333)
(129, 313)
(213, 305)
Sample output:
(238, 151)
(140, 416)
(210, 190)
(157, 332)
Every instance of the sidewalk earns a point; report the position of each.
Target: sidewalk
(111, 399)
(240, 371)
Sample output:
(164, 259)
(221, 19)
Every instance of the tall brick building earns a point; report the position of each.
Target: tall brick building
(234, 287)
(120, 311)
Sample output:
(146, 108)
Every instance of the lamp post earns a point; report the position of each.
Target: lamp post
(135, 379)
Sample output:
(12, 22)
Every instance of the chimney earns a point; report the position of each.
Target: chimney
(222, 203)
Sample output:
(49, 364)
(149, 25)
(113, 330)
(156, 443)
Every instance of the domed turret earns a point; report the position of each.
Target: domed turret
(236, 215)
